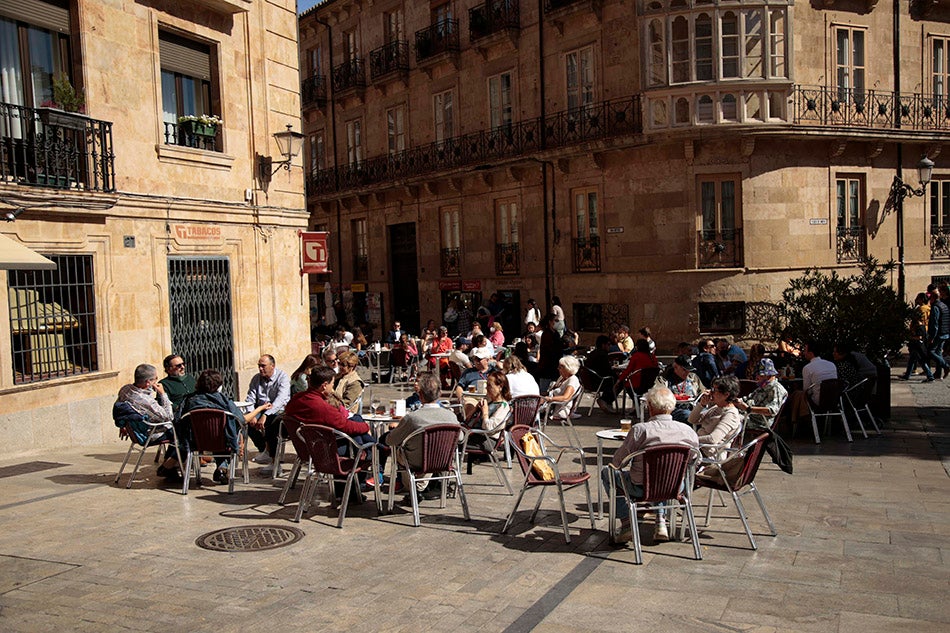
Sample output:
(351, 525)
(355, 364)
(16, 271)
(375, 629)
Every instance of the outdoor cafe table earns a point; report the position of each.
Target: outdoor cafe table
(378, 423)
(437, 358)
(614, 435)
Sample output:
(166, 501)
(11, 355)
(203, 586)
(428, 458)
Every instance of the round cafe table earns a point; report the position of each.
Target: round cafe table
(613, 435)
(378, 423)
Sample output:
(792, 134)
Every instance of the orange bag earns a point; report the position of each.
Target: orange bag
(532, 448)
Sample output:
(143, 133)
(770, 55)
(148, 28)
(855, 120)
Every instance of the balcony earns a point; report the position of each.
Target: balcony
(436, 40)
(350, 75)
(939, 242)
(851, 244)
(507, 259)
(360, 267)
(49, 148)
(719, 249)
(587, 254)
(494, 16)
(178, 134)
(392, 58)
(313, 92)
(451, 262)
(829, 106)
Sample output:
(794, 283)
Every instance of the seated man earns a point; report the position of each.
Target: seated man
(395, 334)
(177, 383)
(146, 396)
(817, 370)
(429, 413)
(207, 396)
(704, 363)
(481, 359)
(269, 386)
(598, 361)
(660, 428)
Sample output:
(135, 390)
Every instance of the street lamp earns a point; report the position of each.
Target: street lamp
(289, 143)
(899, 191)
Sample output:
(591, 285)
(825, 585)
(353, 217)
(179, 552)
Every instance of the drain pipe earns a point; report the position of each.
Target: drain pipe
(899, 202)
(336, 169)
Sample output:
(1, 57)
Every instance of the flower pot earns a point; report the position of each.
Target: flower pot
(197, 128)
(60, 118)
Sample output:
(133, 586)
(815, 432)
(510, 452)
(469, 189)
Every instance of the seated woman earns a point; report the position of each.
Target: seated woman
(439, 344)
(716, 416)
(764, 403)
(685, 385)
(207, 396)
(492, 412)
(497, 336)
(564, 388)
(409, 345)
(348, 386)
(298, 379)
(641, 358)
(746, 369)
(359, 342)
(520, 382)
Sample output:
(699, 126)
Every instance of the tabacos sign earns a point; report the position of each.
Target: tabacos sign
(314, 256)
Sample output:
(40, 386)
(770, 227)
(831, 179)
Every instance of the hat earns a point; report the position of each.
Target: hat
(765, 367)
(463, 341)
(481, 352)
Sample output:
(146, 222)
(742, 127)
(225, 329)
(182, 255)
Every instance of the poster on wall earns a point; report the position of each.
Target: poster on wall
(374, 308)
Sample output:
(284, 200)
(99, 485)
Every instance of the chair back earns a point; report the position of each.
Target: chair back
(399, 357)
(322, 448)
(524, 409)
(860, 392)
(439, 447)
(207, 428)
(300, 446)
(590, 379)
(664, 467)
(754, 452)
(830, 394)
(648, 376)
(517, 432)
(746, 387)
(616, 357)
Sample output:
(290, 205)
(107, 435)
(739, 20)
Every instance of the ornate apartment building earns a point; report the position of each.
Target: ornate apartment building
(166, 232)
(670, 163)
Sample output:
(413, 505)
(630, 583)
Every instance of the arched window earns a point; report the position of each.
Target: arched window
(660, 116)
(729, 112)
(656, 72)
(681, 112)
(704, 109)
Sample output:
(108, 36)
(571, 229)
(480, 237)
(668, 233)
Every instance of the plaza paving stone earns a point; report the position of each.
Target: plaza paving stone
(863, 546)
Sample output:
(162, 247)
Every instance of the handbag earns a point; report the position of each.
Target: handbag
(532, 448)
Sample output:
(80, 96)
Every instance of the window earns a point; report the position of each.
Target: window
(940, 218)
(719, 242)
(586, 230)
(188, 89)
(729, 40)
(451, 242)
(315, 60)
(354, 142)
(722, 317)
(849, 204)
(704, 47)
(580, 78)
(444, 115)
(34, 49)
(360, 253)
(318, 159)
(396, 129)
(681, 44)
(53, 320)
(656, 68)
(849, 64)
(441, 15)
(393, 26)
(752, 50)
(938, 67)
(351, 47)
(506, 237)
(777, 44)
(499, 100)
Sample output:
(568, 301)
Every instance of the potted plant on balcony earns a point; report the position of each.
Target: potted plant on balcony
(66, 108)
(203, 125)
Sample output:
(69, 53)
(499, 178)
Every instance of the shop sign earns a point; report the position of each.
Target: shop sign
(314, 256)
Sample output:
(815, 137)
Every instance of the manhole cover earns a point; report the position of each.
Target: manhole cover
(249, 539)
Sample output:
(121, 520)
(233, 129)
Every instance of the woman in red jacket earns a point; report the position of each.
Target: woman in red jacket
(641, 358)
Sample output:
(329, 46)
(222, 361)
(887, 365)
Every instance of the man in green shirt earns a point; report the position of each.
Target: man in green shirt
(177, 383)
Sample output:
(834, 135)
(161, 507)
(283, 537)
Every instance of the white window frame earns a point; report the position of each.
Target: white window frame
(580, 70)
(354, 142)
(443, 115)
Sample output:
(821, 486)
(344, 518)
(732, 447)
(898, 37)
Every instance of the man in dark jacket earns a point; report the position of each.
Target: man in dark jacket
(704, 364)
(938, 330)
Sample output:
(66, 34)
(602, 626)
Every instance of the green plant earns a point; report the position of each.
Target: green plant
(204, 119)
(861, 309)
(65, 96)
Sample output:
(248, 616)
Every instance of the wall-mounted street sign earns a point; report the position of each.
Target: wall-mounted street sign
(818, 221)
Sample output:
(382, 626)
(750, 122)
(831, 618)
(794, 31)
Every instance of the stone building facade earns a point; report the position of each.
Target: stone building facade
(166, 235)
(670, 163)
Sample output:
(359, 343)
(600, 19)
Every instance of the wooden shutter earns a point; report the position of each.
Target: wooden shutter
(184, 56)
(47, 15)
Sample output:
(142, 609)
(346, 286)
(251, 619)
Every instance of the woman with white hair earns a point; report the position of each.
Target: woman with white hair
(565, 388)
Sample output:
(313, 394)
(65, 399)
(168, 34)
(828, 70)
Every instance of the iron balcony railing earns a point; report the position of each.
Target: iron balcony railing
(719, 249)
(389, 58)
(507, 259)
(177, 134)
(587, 254)
(603, 120)
(51, 148)
(550, 6)
(451, 262)
(851, 244)
(349, 74)
(313, 91)
(441, 37)
(492, 17)
(939, 242)
(848, 107)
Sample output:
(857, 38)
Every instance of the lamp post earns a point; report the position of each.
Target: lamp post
(289, 143)
(899, 191)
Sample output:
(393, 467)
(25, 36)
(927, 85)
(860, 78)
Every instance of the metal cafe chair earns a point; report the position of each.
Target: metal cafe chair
(207, 432)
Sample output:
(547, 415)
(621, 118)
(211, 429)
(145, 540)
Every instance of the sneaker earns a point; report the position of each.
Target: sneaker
(221, 475)
(931, 379)
(660, 533)
(262, 458)
(903, 377)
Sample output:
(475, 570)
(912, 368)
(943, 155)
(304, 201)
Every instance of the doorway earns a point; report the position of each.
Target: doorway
(199, 297)
(404, 276)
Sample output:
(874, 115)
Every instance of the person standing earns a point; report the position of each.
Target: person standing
(917, 340)
(533, 314)
(549, 353)
(559, 325)
(938, 330)
(177, 383)
(270, 386)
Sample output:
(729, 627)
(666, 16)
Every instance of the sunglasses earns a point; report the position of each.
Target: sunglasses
(178, 365)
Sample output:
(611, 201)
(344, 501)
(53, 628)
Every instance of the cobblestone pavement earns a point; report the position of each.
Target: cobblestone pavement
(863, 545)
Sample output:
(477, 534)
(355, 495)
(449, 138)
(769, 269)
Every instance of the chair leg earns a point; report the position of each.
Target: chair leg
(560, 498)
(291, 479)
(346, 498)
(635, 528)
(415, 498)
(302, 504)
(590, 506)
(186, 472)
(537, 505)
(138, 462)
(693, 533)
(393, 471)
(461, 494)
(514, 508)
(499, 472)
(125, 461)
(744, 518)
(814, 427)
(765, 513)
(709, 507)
(508, 449)
(232, 470)
(844, 423)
